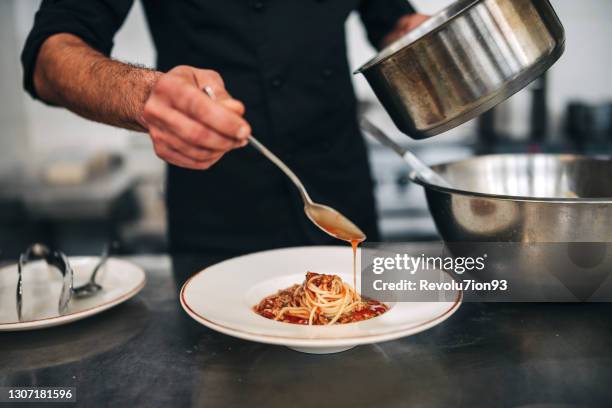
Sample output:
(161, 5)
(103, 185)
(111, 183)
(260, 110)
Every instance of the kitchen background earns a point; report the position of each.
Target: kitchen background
(76, 184)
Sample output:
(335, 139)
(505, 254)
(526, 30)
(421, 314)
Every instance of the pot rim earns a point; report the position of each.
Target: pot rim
(552, 200)
(434, 23)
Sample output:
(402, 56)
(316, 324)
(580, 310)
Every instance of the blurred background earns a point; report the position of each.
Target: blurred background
(75, 185)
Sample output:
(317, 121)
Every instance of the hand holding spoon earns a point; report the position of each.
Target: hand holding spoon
(326, 218)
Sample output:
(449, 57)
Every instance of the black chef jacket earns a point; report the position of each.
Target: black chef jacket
(286, 60)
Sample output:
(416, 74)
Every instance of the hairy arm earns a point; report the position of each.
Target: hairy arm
(187, 128)
(71, 74)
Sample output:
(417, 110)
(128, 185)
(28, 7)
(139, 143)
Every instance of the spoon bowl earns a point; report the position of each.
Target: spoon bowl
(333, 222)
(326, 218)
(91, 287)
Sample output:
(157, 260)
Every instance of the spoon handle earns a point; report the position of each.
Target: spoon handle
(103, 258)
(285, 169)
(272, 157)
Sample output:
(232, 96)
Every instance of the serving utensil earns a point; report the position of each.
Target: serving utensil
(326, 218)
(52, 258)
(59, 260)
(91, 287)
(121, 279)
(422, 171)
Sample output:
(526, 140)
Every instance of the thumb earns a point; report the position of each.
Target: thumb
(233, 105)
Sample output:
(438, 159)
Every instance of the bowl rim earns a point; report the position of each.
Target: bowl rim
(552, 200)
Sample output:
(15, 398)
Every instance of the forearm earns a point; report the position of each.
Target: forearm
(71, 74)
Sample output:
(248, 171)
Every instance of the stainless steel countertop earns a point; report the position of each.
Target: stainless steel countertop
(147, 352)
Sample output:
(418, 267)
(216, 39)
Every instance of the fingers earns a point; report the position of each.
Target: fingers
(233, 105)
(214, 81)
(197, 153)
(193, 102)
(200, 107)
(188, 131)
(410, 22)
(166, 149)
(188, 128)
(175, 158)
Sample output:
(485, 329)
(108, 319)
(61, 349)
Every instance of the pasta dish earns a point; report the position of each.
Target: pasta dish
(319, 300)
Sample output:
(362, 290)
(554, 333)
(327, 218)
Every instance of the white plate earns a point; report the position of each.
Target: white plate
(222, 296)
(119, 279)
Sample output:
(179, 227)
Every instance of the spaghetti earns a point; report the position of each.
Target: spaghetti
(320, 300)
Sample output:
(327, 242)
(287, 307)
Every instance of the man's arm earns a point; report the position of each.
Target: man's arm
(187, 128)
(71, 74)
(66, 62)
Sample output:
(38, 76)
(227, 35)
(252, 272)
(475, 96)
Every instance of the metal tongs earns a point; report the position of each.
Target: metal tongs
(60, 261)
(52, 258)
(423, 171)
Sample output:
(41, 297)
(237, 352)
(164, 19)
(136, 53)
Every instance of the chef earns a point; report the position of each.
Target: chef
(278, 69)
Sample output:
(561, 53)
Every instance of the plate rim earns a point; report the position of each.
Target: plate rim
(310, 342)
(71, 317)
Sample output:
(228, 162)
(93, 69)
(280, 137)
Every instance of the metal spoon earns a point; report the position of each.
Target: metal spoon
(91, 287)
(423, 171)
(326, 218)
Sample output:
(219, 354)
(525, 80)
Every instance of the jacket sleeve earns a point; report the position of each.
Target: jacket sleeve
(380, 17)
(94, 21)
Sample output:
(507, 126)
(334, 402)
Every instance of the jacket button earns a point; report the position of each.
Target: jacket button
(276, 82)
(258, 5)
(327, 73)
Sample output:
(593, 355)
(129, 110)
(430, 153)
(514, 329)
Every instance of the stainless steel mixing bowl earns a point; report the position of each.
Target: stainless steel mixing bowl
(524, 212)
(524, 198)
(463, 61)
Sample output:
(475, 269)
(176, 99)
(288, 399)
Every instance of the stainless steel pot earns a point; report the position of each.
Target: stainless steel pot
(464, 61)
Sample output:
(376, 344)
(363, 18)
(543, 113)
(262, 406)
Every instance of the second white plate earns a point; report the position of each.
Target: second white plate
(120, 281)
